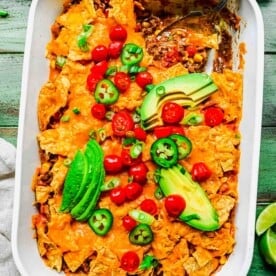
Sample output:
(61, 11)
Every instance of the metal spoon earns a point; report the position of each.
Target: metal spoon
(216, 9)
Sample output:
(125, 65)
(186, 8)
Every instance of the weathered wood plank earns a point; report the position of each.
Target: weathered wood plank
(10, 76)
(13, 27)
(268, 8)
(9, 134)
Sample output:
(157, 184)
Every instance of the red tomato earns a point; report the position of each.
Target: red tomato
(118, 195)
(143, 79)
(172, 113)
(122, 122)
(133, 191)
(98, 111)
(99, 53)
(129, 223)
(175, 205)
(213, 116)
(200, 172)
(178, 130)
(165, 131)
(140, 133)
(127, 159)
(99, 68)
(115, 49)
(138, 172)
(130, 261)
(113, 163)
(118, 33)
(148, 205)
(92, 80)
(191, 50)
(122, 81)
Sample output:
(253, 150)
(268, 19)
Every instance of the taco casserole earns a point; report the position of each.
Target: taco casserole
(139, 147)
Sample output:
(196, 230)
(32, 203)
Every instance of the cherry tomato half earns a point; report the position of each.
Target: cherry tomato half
(172, 113)
(92, 80)
(175, 205)
(213, 116)
(99, 68)
(99, 53)
(122, 122)
(118, 195)
(118, 33)
(148, 205)
(191, 50)
(200, 172)
(143, 79)
(122, 81)
(138, 172)
(98, 111)
(165, 131)
(115, 49)
(133, 191)
(130, 261)
(113, 163)
(129, 223)
(140, 133)
(127, 159)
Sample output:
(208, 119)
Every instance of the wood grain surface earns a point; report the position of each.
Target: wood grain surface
(12, 38)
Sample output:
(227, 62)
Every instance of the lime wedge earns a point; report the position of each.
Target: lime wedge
(266, 219)
(268, 247)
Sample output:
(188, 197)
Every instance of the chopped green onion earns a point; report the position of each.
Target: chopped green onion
(60, 61)
(111, 184)
(158, 193)
(3, 13)
(67, 162)
(76, 110)
(109, 115)
(111, 71)
(65, 118)
(129, 141)
(82, 38)
(141, 216)
(92, 134)
(148, 262)
(136, 150)
(193, 119)
(160, 90)
(101, 134)
(124, 68)
(149, 87)
(136, 117)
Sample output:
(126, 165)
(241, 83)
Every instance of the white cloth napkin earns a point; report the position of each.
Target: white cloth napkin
(7, 168)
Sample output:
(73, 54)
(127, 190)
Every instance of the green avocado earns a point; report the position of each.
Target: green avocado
(186, 90)
(199, 212)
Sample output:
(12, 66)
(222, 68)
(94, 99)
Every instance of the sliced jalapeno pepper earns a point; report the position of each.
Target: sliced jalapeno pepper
(131, 54)
(164, 152)
(141, 234)
(106, 92)
(184, 145)
(101, 221)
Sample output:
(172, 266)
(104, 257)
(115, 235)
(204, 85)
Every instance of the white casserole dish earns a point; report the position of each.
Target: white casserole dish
(35, 73)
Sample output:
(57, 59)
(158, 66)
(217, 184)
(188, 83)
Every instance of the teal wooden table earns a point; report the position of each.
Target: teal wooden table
(12, 38)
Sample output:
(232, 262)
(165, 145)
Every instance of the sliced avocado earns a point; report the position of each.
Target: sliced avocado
(187, 90)
(93, 190)
(89, 158)
(199, 212)
(73, 180)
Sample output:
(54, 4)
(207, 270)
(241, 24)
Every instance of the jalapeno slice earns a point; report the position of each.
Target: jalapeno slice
(184, 145)
(131, 54)
(101, 221)
(141, 234)
(164, 152)
(106, 92)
